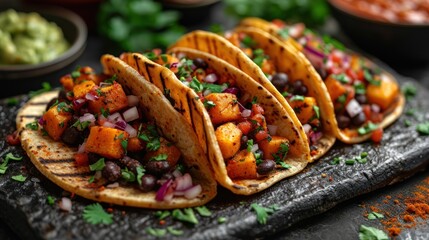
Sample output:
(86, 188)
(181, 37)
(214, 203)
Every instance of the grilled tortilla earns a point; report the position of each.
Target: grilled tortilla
(285, 59)
(187, 102)
(56, 160)
(281, 31)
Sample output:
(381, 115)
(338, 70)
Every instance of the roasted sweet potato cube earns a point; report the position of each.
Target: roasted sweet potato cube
(242, 166)
(81, 89)
(304, 109)
(67, 82)
(107, 142)
(112, 98)
(55, 122)
(335, 88)
(382, 95)
(228, 137)
(167, 149)
(277, 146)
(224, 109)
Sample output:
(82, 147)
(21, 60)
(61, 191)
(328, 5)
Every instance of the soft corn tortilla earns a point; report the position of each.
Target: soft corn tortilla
(351, 136)
(185, 100)
(56, 160)
(286, 59)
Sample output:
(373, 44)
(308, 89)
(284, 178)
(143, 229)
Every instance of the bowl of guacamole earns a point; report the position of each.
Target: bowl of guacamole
(35, 42)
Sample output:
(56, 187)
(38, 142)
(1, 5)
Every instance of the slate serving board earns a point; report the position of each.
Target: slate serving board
(317, 189)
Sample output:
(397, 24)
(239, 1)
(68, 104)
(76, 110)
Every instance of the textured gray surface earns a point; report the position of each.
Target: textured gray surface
(402, 152)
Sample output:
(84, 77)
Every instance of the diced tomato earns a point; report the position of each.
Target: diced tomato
(377, 135)
(360, 75)
(336, 58)
(376, 117)
(367, 110)
(261, 135)
(279, 23)
(335, 70)
(352, 74)
(13, 139)
(81, 159)
(245, 127)
(257, 109)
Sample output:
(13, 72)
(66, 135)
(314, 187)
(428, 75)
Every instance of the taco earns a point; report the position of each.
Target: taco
(116, 139)
(251, 141)
(366, 98)
(283, 71)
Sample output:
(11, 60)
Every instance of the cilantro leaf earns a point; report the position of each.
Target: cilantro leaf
(175, 232)
(367, 128)
(297, 98)
(423, 128)
(249, 145)
(10, 156)
(196, 85)
(263, 212)
(162, 214)
(222, 219)
(97, 166)
(370, 233)
(368, 77)
(19, 178)
(186, 216)
(156, 232)
(159, 157)
(375, 215)
(203, 211)
(128, 175)
(33, 125)
(95, 214)
(317, 111)
(140, 172)
(50, 200)
(409, 90)
(335, 161)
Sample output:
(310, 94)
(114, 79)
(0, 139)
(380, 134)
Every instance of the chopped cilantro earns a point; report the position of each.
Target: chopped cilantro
(164, 58)
(159, 157)
(342, 98)
(209, 104)
(97, 166)
(19, 178)
(375, 215)
(335, 161)
(297, 98)
(410, 112)
(151, 55)
(156, 232)
(263, 212)
(50, 200)
(196, 85)
(423, 128)
(283, 33)
(254, 100)
(258, 56)
(342, 78)
(350, 161)
(368, 77)
(33, 125)
(370, 233)
(222, 219)
(407, 122)
(359, 88)
(214, 88)
(111, 79)
(285, 165)
(175, 232)
(75, 74)
(216, 28)
(105, 112)
(45, 88)
(162, 214)
(64, 107)
(81, 125)
(330, 42)
(280, 155)
(367, 128)
(249, 145)
(140, 172)
(248, 42)
(285, 94)
(187, 215)
(95, 214)
(128, 175)
(203, 211)
(409, 90)
(10, 156)
(317, 111)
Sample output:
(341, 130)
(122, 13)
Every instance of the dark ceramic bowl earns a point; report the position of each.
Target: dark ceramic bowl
(394, 42)
(26, 77)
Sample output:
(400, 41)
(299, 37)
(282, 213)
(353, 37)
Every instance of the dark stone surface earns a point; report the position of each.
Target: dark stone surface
(402, 152)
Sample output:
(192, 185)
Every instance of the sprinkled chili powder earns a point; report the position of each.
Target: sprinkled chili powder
(406, 211)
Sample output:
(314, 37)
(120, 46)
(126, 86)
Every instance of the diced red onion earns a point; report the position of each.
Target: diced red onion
(65, 204)
(375, 108)
(77, 103)
(176, 173)
(121, 125)
(169, 195)
(131, 114)
(313, 51)
(87, 117)
(162, 191)
(193, 192)
(131, 131)
(113, 185)
(315, 136)
(81, 148)
(232, 90)
(211, 78)
(307, 128)
(91, 97)
(255, 148)
(108, 124)
(272, 129)
(174, 65)
(132, 100)
(353, 108)
(184, 182)
(115, 118)
(296, 30)
(246, 113)
(41, 121)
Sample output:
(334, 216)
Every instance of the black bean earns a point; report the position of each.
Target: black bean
(343, 121)
(72, 136)
(322, 72)
(51, 103)
(130, 163)
(111, 171)
(148, 182)
(299, 88)
(243, 140)
(359, 119)
(280, 80)
(200, 63)
(62, 96)
(157, 167)
(361, 98)
(266, 167)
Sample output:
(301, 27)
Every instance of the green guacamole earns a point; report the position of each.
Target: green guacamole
(28, 38)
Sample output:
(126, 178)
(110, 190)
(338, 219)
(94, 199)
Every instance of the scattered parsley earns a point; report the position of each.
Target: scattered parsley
(111, 79)
(98, 166)
(407, 123)
(175, 232)
(95, 214)
(367, 128)
(368, 77)
(162, 214)
(370, 233)
(140, 172)
(423, 128)
(409, 90)
(342, 78)
(105, 112)
(280, 155)
(249, 145)
(9, 156)
(19, 178)
(258, 56)
(222, 219)
(203, 211)
(335, 161)
(317, 111)
(375, 215)
(263, 212)
(350, 161)
(128, 175)
(214, 88)
(75, 74)
(196, 85)
(81, 125)
(285, 165)
(50, 200)
(64, 107)
(159, 157)
(359, 88)
(33, 125)
(342, 98)
(187, 215)
(248, 42)
(156, 232)
(45, 88)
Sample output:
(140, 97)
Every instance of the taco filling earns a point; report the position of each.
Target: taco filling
(295, 92)
(115, 141)
(249, 146)
(362, 93)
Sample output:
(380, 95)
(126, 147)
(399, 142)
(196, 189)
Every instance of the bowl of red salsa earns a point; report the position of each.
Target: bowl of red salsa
(397, 30)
